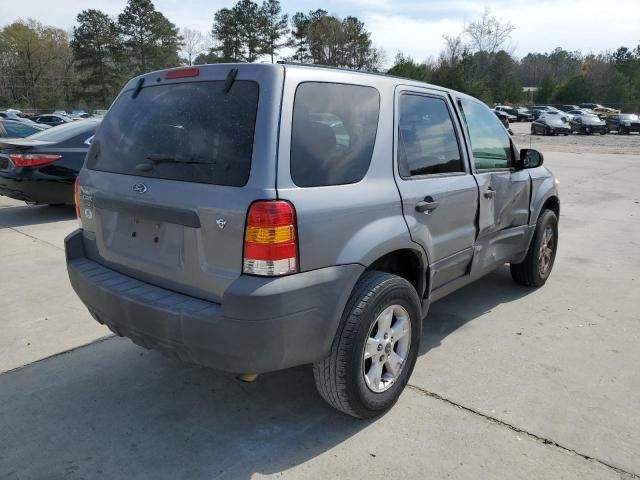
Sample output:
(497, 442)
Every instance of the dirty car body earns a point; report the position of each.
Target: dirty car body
(374, 173)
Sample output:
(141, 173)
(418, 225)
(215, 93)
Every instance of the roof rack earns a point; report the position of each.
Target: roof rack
(342, 69)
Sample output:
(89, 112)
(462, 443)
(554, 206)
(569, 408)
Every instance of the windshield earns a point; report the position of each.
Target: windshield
(192, 132)
(629, 116)
(592, 119)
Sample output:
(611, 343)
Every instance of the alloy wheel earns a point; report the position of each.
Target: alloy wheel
(387, 348)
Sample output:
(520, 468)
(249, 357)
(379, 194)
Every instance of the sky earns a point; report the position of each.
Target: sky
(415, 27)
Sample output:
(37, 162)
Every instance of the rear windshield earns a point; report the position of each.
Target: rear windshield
(192, 132)
(591, 119)
(65, 131)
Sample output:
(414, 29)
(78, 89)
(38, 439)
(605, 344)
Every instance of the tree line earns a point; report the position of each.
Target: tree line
(479, 61)
(45, 67)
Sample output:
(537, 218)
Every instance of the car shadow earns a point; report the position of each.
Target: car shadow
(114, 410)
(26, 215)
(462, 306)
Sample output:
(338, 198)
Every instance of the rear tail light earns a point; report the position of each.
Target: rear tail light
(32, 159)
(270, 239)
(76, 201)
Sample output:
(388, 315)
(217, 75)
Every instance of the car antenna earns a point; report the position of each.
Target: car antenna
(231, 77)
(136, 90)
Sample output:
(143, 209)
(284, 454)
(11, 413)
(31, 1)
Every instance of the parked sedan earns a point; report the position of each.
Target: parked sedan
(42, 168)
(516, 114)
(624, 123)
(524, 114)
(11, 115)
(51, 119)
(588, 124)
(16, 129)
(550, 125)
(567, 108)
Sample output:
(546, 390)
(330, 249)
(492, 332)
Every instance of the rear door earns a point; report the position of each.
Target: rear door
(439, 194)
(172, 171)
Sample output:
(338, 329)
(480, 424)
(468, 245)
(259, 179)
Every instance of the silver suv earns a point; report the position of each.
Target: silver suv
(255, 217)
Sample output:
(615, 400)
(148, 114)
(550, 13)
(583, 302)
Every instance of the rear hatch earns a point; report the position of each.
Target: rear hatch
(173, 169)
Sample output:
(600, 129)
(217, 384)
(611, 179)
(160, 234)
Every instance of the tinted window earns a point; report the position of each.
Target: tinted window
(193, 132)
(427, 141)
(333, 133)
(490, 142)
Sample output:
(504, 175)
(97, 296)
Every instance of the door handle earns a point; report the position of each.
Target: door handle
(490, 193)
(427, 205)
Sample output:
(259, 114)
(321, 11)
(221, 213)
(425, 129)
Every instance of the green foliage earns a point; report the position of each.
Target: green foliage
(407, 67)
(97, 49)
(151, 41)
(325, 39)
(546, 90)
(36, 65)
(248, 30)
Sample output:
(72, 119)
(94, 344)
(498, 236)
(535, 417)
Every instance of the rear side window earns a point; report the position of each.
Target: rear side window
(192, 132)
(333, 133)
(427, 141)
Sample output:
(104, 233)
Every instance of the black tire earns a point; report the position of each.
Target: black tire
(340, 377)
(529, 272)
(533, 131)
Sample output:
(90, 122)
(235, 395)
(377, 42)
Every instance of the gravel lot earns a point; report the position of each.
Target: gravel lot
(510, 383)
(610, 143)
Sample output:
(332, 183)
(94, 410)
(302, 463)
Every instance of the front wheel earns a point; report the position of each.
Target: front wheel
(375, 349)
(537, 265)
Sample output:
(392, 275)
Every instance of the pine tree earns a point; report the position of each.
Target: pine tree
(151, 40)
(97, 49)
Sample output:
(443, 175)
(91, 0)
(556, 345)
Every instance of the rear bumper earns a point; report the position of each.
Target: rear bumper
(35, 190)
(263, 324)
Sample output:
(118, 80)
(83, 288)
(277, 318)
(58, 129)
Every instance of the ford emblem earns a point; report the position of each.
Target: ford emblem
(139, 188)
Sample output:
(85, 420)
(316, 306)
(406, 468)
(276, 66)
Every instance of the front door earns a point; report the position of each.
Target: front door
(504, 192)
(439, 194)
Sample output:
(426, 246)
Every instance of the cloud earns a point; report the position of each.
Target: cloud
(415, 27)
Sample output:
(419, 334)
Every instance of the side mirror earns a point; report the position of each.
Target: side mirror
(530, 158)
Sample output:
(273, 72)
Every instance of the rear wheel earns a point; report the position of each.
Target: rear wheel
(375, 349)
(537, 265)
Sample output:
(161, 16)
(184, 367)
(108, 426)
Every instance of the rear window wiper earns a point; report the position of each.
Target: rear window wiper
(156, 158)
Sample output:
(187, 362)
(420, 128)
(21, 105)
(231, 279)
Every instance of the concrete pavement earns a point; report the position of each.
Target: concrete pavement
(511, 382)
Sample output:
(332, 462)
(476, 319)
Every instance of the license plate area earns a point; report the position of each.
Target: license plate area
(142, 242)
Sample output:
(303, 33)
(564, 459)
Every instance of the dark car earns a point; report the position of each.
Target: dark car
(550, 125)
(517, 114)
(588, 124)
(624, 123)
(567, 108)
(523, 114)
(16, 129)
(42, 168)
(504, 118)
(51, 119)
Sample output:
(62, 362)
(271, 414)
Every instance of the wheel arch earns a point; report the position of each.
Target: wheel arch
(408, 263)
